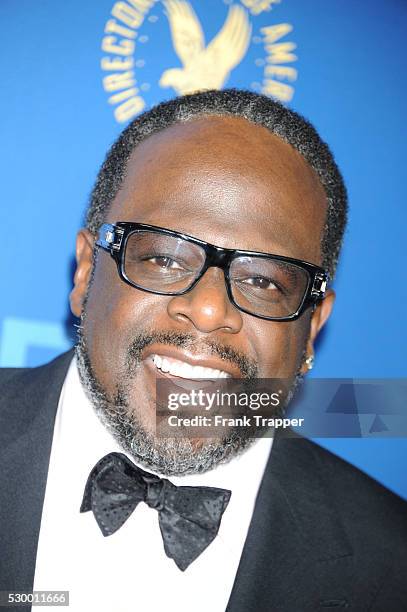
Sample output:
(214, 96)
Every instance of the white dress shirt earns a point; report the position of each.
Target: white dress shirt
(129, 570)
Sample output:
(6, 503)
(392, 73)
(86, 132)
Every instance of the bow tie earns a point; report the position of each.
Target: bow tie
(189, 517)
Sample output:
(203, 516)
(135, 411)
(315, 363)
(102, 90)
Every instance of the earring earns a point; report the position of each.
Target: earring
(310, 362)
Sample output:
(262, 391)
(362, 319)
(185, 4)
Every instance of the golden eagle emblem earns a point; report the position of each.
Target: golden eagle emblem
(204, 67)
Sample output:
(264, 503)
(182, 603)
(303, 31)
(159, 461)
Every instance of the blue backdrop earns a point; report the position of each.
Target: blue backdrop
(74, 72)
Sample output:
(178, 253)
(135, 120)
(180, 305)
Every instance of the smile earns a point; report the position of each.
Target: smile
(176, 367)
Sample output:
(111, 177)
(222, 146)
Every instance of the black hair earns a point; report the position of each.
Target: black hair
(288, 125)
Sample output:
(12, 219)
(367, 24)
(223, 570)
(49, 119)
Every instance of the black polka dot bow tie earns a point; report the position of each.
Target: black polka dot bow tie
(189, 517)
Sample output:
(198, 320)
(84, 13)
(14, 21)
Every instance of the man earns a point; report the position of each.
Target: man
(212, 226)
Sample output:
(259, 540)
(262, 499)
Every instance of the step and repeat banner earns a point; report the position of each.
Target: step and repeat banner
(74, 73)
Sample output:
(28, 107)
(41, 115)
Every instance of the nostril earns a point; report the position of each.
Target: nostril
(181, 318)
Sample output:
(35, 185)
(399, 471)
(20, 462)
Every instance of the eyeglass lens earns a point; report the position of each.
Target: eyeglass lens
(264, 286)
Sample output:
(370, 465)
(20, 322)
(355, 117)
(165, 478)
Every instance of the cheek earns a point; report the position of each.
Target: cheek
(280, 346)
(115, 313)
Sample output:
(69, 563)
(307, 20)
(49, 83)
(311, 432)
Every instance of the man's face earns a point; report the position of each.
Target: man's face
(230, 183)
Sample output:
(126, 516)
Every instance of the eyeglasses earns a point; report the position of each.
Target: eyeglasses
(161, 261)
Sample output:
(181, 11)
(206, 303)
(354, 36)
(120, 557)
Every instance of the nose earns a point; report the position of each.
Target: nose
(207, 306)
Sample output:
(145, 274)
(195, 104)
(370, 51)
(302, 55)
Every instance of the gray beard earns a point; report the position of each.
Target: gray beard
(166, 456)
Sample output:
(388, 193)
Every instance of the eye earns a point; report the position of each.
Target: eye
(164, 262)
(261, 282)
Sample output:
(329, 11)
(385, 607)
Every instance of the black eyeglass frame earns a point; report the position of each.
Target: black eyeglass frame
(113, 239)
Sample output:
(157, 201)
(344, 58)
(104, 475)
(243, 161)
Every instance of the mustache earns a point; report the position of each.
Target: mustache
(247, 366)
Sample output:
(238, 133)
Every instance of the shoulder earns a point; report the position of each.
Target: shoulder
(14, 379)
(8, 374)
(25, 392)
(333, 501)
(375, 522)
(368, 509)
(345, 477)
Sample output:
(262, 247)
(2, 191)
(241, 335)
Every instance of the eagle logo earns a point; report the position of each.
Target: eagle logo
(204, 67)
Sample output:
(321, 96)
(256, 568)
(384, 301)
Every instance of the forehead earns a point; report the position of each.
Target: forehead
(227, 181)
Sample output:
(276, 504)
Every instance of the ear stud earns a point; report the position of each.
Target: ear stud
(310, 362)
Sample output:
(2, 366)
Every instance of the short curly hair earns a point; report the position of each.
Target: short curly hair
(288, 125)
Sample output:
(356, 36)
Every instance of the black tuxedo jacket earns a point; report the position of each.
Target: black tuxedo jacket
(323, 534)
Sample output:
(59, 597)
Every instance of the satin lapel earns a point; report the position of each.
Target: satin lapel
(296, 555)
(28, 407)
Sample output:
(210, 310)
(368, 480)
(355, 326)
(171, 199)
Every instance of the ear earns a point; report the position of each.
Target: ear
(319, 317)
(84, 257)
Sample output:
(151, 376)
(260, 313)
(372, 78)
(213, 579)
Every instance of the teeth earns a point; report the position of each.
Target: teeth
(185, 370)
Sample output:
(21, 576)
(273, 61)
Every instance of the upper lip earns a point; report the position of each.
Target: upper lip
(192, 359)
